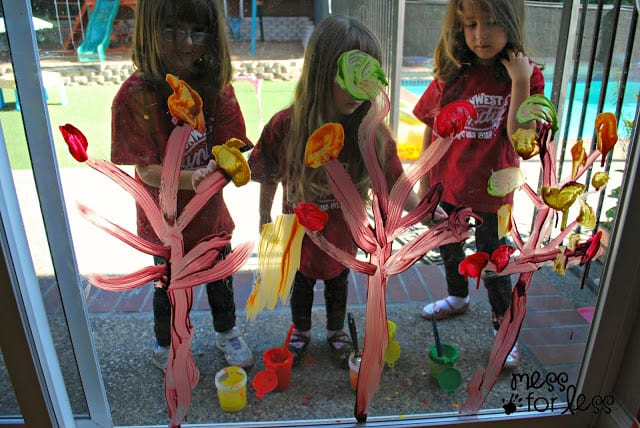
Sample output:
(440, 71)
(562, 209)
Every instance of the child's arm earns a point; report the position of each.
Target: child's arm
(425, 183)
(189, 179)
(267, 194)
(520, 70)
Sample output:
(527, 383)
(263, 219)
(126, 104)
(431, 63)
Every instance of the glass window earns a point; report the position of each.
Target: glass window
(8, 403)
(104, 340)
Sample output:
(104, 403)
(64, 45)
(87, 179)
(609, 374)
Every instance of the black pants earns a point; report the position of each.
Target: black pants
(335, 297)
(219, 294)
(498, 286)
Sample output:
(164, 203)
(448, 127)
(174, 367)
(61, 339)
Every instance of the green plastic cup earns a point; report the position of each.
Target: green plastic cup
(442, 367)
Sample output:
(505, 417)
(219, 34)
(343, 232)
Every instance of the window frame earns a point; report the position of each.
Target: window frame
(40, 376)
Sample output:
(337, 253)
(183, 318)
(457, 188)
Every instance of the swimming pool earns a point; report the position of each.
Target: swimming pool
(629, 105)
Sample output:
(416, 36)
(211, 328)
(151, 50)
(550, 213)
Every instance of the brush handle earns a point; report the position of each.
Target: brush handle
(436, 335)
(354, 334)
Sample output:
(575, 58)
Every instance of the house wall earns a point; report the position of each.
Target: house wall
(275, 7)
(423, 20)
(288, 20)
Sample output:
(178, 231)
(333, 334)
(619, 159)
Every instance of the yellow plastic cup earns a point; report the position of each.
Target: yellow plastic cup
(231, 383)
(392, 353)
(392, 329)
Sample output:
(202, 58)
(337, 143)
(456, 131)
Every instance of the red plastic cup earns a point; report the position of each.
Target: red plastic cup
(280, 360)
(264, 382)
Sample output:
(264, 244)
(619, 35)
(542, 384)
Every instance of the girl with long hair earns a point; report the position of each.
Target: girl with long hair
(279, 158)
(185, 38)
(480, 57)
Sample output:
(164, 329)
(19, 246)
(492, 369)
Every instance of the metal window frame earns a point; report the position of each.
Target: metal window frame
(39, 381)
(26, 66)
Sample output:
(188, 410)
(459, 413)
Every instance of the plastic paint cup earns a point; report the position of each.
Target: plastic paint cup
(354, 370)
(264, 382)
(448, 359)
(231, 383)
(392, 329)
(448, 377)
(280, 360)
(392, 353)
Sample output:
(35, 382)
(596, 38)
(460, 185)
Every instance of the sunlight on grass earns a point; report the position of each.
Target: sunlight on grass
(89, 109)
(276, 95)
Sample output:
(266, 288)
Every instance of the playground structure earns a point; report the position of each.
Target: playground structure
(92, 26)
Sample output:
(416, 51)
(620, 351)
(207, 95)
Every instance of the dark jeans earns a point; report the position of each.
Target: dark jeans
(335, 297)
(498, 287)
(219, 294)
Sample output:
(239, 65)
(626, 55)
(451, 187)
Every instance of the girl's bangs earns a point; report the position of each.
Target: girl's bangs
(197, 12)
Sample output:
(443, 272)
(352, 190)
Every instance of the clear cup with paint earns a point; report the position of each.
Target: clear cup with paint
(231, 383)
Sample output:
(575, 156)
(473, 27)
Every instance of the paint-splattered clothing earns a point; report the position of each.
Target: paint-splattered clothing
(141, 125)
(268, 165)
(466, 167)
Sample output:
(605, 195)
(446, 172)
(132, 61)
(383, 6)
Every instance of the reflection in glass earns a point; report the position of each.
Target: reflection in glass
(8, 402)
(49, 287)
(120, 321)
(20, 162)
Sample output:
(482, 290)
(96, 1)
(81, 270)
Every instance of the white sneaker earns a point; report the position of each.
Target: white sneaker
(513, 359)
(160, 356)
(236, 351)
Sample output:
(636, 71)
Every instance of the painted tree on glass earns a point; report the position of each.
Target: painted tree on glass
(198, 266)
(362, 76)
(553, 239)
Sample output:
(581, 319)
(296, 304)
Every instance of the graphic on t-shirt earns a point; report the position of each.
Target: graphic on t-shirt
(195, 154)
(491, 110)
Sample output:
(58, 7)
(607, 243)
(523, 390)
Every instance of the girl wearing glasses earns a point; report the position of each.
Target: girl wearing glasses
(187, 39)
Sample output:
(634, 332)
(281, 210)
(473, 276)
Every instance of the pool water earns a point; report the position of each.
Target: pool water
(629, 105)
(627, 112)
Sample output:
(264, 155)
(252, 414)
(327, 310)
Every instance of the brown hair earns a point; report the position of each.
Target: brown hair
(312, 107)
(152, 16)
(452, 56)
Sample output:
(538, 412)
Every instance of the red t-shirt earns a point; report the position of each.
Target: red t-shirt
(467, 165)
(141, 124)
(268, 165)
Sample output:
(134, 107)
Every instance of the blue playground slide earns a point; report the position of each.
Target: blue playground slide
(98, 32)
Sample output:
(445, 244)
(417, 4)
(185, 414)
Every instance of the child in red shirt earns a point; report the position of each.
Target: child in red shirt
(187, 39)
(480, 57)
(279, 158)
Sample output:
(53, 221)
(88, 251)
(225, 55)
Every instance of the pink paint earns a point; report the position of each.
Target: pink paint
(198, 266)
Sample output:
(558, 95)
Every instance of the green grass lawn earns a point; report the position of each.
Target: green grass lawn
(89, 109)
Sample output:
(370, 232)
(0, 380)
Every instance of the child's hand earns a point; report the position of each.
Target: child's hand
(199, 174)
(518, 66)
(264, 219)
(436, 217)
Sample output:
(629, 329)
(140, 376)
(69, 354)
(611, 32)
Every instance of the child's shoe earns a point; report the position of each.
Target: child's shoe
(341, 347)
(446, 307)
(298, 344)
(513, 359)
(160, 356)
(236, 351)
